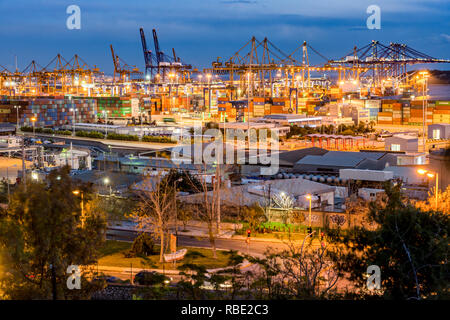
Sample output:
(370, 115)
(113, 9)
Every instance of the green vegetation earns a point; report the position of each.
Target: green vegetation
(276, 230)
(114, 254)
(126, 137)
(90, 134)
(143, 246)
(157, 139)
(64, 132)
(27, 129)
(117, 208)
(46, 131)
(353, 130)
(42, 233)
(409, 245)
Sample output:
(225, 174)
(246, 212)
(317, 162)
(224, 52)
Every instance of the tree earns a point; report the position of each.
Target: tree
(185, 214)
(254, 215)
(117, 208)
(183, 180)
(443, 203)
(156, 209)
(298, 272)
(409, 245)
(142, 246)
(41, 235)
(208, 207)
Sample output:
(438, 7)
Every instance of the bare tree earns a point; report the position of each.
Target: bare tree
(300, 272)
(156, 208)
(208, 206)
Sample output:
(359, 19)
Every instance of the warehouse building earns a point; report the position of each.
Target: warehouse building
(332, 161)
(439, 131)
(402, 142)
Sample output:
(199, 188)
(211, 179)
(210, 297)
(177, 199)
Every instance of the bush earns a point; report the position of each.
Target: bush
(47, 130)
(90, 134)
(157, 139)
(126, 137)
(26, 129)
(64, 132)
(143, 245)
(348, 132)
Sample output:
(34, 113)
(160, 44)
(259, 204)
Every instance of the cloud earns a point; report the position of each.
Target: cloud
(446, 37)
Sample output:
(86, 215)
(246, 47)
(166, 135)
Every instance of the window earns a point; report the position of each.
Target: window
(436, 134)
(395, 147)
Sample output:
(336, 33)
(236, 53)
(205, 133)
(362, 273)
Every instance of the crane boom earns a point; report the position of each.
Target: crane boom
(159, 55)
(174, 55)
(147, 54)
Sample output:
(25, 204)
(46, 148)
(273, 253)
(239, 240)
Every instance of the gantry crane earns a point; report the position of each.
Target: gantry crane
(125, 71)
(385, 61)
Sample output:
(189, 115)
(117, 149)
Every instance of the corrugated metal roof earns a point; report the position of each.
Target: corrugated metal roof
(340, 158)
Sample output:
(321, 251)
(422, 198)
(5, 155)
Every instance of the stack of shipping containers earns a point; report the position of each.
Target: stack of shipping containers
(441, 112)
(117, 107)
(49, 111)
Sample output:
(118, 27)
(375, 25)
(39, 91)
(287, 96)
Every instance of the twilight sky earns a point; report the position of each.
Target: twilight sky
(202, 30)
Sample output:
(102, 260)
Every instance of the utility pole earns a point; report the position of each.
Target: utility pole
(218, 195)
(23, 164)
(71, 155)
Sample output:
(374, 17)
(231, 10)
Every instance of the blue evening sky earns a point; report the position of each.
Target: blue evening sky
(202, 30)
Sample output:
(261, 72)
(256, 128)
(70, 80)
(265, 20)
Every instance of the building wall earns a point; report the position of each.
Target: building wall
(441, 165)
(444, 131)
(408, 145)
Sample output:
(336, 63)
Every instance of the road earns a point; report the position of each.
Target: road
(256, 248)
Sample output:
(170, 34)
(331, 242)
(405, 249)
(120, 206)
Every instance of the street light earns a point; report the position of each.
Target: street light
(106, 182)
(33, 120)
(431, 175)
(17, 110)
(78, 192)
(309, 197)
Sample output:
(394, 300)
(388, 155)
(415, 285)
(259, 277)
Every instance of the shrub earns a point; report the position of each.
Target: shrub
(64, 132)
(157, 139)
(126, 137)
(26, 129)
(90, 134)
(143, 245)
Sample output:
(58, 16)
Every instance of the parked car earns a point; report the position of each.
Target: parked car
(150, 278)
(107, 279)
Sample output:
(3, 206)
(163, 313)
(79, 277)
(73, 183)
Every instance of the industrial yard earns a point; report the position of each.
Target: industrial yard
(248, 151)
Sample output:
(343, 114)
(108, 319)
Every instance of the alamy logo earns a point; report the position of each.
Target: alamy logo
(374, 20)
(374, 279)
(74, 20)
(234, 146)
(74, 280)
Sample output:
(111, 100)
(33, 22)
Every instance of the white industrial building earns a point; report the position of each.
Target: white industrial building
(402, 142)
(439, 131)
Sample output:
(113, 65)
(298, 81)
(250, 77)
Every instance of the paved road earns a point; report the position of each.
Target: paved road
(255, 247)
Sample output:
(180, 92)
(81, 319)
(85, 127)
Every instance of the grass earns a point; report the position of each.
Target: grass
(279, 231)
(112, 254)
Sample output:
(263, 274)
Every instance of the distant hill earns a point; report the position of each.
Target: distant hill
(439, 77)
